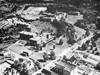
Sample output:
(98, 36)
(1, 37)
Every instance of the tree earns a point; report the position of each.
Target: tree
(60, 42)
(45, 56)
(16, 63)
(24, 66)
(19, 67)
(97, 66)
(29, 72)
(52, 55)
(38, 64)
(87, 33)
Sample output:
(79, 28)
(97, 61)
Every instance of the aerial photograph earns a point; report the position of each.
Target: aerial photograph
(49, 37)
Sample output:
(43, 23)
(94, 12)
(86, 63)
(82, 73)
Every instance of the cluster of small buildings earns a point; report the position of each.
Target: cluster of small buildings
(81, 61)
(76, 62)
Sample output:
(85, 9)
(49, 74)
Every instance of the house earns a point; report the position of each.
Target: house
(46, 72)
(42, 39)
(3, 66)
(35, 40)
(25, 26)
(84, 70)
(30, 17)
(63, 68)
(81, 70)
(24, 35)
(89, 58)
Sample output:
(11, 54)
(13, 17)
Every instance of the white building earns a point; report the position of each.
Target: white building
(89, 58)
(81, 70)
(42, 38)
(3, 66)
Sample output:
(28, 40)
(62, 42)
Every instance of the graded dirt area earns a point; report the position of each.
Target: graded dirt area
(43, 25)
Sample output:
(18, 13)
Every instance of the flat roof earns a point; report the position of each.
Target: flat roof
(36, 38)
(28, 33)
(69, 67)
(30, 16)
(23, 23)
(87, 70)
(33, 9)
